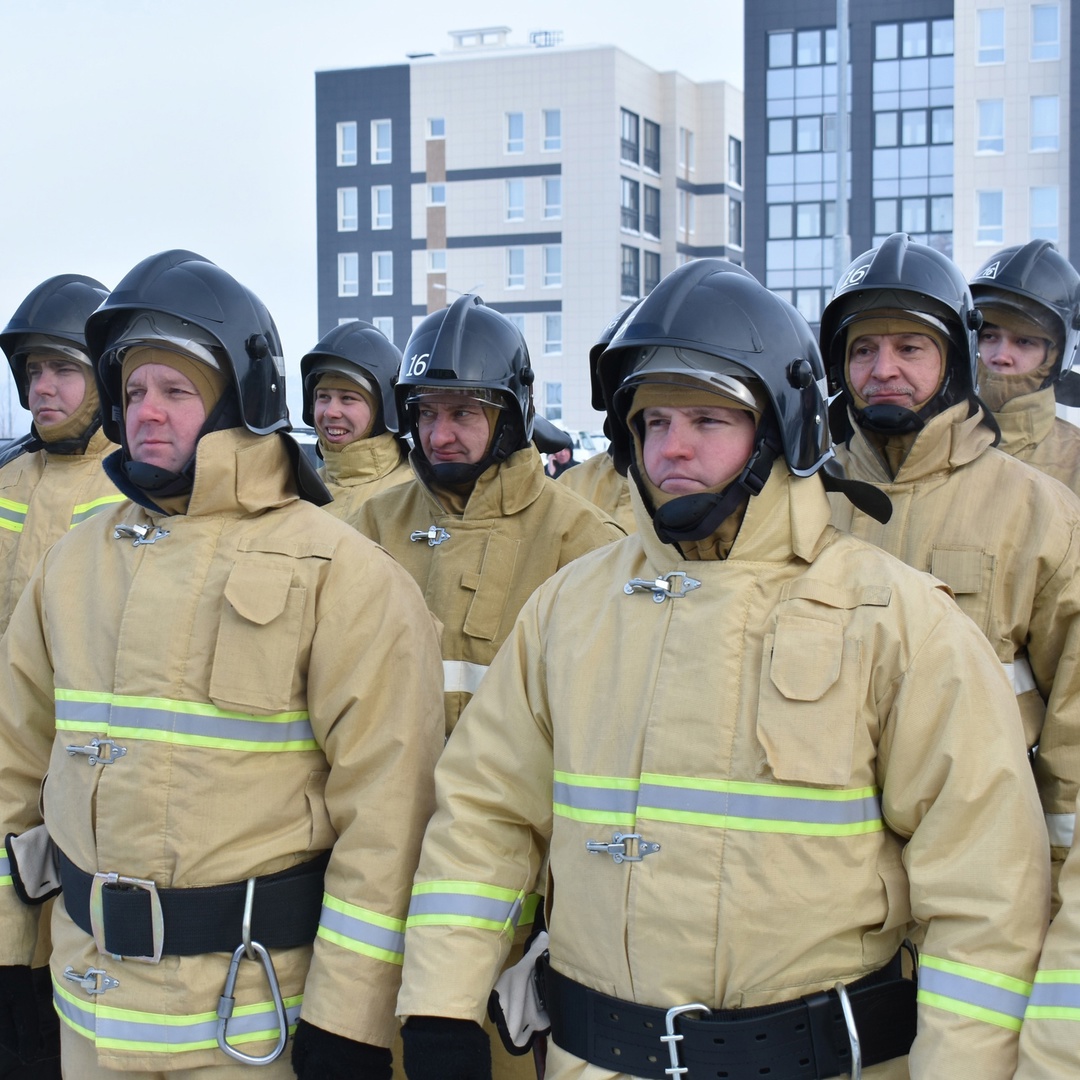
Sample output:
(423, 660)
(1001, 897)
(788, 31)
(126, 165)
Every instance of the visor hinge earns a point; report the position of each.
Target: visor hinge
(673, 586)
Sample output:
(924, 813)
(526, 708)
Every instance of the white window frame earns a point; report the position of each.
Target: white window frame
(346, 133)
(382, 152)
(553, 399)
(382, 219)
(436, 261)
(385, 325)
(436, 127)
(553, 266)
(553, 334)
(515, 268)
(436, 189)
(552, 210)
(382, 285)
(348, 273)
(994, 232)
(515, 209)
(515, 139)
(552, 139)
(687, 212)
(348, 211)
(993, 53)
(1051, 48)
(989, 141)
(1049, 138)
(1044, 230)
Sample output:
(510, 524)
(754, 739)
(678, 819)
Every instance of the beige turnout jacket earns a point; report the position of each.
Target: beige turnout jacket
(822, 745)
(1032, 431)
(476, 569)
(274, 680)
(1006, 539)
(597, 480)
(43, 496)
(362, 469)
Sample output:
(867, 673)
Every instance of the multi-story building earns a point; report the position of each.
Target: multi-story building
(958, 132)
(558, 182)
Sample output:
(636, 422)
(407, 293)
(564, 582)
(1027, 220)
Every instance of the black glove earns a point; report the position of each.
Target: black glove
(322, 1055)
(438, 1048)
(20, 1027)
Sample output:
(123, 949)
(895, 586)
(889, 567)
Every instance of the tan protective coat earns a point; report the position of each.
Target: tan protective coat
(362, 469)
(1032, 431)
(597, 480)
(1006, 540)
(256, 604)
(517, 529)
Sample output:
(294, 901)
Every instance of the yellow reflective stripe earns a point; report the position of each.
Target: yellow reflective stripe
(465, 903)
(597, 800)
(1055, 996)
(361, 930)
(974, 992)
(183, 723)
(12, 515)
(82, 511)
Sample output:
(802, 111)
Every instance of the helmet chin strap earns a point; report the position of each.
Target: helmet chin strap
(890, 419)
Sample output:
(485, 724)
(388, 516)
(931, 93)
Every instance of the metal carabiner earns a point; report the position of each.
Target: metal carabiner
(852, 1031)
(226, 1003)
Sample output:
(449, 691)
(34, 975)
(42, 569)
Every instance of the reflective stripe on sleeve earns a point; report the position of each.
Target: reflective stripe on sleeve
(126, 1029)
(184, 723)
(977, 993)
(465, 903)
(12, 515)
(1020, 675)
(1055, 996)
(461, 677)
(5, 868)
(1061, 828)
(80, 513)
(362, 931)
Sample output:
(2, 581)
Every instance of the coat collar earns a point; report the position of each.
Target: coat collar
(362, 461)
(1027, 420)
(503, 489)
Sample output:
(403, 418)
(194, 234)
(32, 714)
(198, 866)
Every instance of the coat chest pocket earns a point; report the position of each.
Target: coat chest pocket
(808, 701)
(970, 575)
(258, 640)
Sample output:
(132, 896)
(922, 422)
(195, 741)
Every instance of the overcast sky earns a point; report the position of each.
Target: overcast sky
(132, 126)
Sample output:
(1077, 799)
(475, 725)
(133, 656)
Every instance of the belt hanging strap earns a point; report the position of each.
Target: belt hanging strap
(285, 912)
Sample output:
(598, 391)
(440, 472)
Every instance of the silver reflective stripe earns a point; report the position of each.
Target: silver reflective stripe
(1058, 995)
(982, 995)
(362, 931)
(757, 806)
(1061, 828)
(1020, 675)
(459, 676)
(5, 869)
(467, 905)
(601, 799)
(12, 515)
(88, 510)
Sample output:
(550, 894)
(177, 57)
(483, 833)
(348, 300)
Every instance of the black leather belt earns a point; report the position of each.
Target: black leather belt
(133, 918)
(795, 1040)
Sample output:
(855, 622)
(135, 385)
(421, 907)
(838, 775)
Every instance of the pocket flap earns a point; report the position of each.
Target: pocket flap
(806, 657)
(258, 593)
(962, 571)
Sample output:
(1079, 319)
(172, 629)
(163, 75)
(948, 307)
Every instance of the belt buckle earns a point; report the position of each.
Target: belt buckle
(673, 1038)
(97, 914)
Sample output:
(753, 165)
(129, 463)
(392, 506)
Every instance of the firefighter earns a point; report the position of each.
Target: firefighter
(236, 701)
(754, 750)
(1029, 297)
(900, 338)
(348, 381)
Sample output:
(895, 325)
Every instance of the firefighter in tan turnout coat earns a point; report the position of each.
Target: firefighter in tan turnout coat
(755, 751)
(236, 701)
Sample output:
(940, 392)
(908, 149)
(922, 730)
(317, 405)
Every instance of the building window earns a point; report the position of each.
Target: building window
(941, 37)
(382, 207)
(382, 273)
(651, 223)
(628, 147)
(941, 214)
(886, 41)
(515, 133)
(385, 325)
(552, 197)
(553, 336)
(941, 125)
(630, 287)
(347, 212)
(808, 302)
(553, 398)
(735, 222)
(436, 127)
(380, 142)
(1044, 123)
(1045, 35)
(913, 127)
(436, 261)
(629, 206)
(913, 215)
(808, 134)
(519, 322)
(807, 220)
(990, 34)
(884, 217)
(651, 269)
(886, 129)
(686, 149)
(651, 148)
(990, 121)
(687, 211)
(348, 274)
(515, 268)
(1044, 213)
(781, 49)
(552, 129)
(734, 160)
(913, 40)
(515, 200)
(436, 195)
(808, 48)
(990, 228)
(780, 136)
(780, 226)
(553, 266)
(346, 143)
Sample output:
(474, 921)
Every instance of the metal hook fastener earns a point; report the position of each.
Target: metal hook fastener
(621, 847)
(435, 535)
(672, 1038)
(94, 981)
(672, 586)
(139, 534)
(227, 1002)
(852, 1031)
(99, 751)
